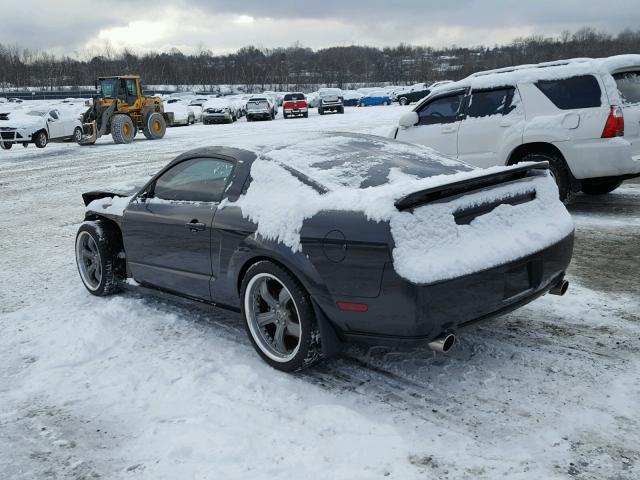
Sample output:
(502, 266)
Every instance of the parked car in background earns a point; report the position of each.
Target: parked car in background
(217, 110)
(582, 116)
(260, 108)
(376, 97)
(313, 99)
(413, 94)
(330, 100)
(295, 105)
(197, 105)
(351, 98)
(450, 244)
(180, 112)
(38, 127)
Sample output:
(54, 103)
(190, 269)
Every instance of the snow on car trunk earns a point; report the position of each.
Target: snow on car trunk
(337, 172)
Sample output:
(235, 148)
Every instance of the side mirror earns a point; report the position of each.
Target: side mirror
(409, 120)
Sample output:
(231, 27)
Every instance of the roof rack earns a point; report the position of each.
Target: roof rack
(557, 63)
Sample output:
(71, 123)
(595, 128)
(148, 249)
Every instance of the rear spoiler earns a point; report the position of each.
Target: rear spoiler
(434, 194)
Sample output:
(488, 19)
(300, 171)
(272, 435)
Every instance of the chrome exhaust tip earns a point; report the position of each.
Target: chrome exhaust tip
(443, 343)
(560, 288)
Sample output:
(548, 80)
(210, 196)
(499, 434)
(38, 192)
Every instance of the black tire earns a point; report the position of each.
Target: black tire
(309, 350)
(321, 111)
(284, 115)
(340, 109)
(305, 114)
(600, 186)
(77, 134)
(6, 145)
(109, 246)
(403, 101)
(122, 128)
(154, 126)
(249, 119)
(41, 139)
(558, 169)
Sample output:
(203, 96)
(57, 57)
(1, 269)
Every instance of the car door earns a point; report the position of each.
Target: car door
(438, 123)
(490, 123)
(56, 127)
(167, 228)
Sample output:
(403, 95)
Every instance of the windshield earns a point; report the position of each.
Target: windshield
(109, 87)
(629, 86)
(294, 96)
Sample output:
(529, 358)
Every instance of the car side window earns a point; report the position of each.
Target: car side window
(582, 91)
(484, 103)
(441, 110)
(195, 180)
(53, 114)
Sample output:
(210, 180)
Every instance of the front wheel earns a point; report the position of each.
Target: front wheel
(98, 257)
(600, 186)
(6, 145)
(154, 126)
(122, 129)
(279, 318)
(403, 101)
(41, 139)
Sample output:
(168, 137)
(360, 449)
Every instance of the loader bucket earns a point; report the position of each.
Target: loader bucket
(89, 133)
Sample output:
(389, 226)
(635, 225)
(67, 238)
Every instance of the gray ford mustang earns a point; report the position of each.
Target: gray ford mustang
(333, 238)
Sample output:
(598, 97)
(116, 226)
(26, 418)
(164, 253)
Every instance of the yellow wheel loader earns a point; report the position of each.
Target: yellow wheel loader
(121, 110)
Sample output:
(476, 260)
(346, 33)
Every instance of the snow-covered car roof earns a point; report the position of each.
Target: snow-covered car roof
(544, 71)
(216, 103)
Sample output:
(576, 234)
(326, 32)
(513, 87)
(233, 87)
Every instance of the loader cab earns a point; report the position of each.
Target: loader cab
(125, 89)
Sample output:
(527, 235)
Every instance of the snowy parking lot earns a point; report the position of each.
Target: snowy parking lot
(136, 387)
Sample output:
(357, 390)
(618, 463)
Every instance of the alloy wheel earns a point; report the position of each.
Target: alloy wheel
(273, 317)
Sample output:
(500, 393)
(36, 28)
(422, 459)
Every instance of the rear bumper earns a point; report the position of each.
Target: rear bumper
(406, 313)
(599, 157)
(296, 111)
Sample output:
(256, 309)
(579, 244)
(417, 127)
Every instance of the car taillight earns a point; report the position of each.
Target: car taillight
(615, 123)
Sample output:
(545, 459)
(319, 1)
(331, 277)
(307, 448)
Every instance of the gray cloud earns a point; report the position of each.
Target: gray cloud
(66, 26)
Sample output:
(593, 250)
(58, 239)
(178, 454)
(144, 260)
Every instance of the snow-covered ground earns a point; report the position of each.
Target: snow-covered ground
(136, 387)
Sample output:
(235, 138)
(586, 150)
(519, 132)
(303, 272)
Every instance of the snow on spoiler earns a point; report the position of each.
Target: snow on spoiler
(447, 190)
(89, 197)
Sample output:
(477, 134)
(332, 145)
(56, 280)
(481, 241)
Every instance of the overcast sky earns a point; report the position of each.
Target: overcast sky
(81, 27)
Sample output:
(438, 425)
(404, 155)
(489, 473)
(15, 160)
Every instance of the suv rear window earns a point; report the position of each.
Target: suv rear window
(581, 91)
(629, 86)
(293, 96)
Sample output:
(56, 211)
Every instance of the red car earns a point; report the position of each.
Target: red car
(294, 105)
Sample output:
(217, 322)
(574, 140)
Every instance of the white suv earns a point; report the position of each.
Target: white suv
(581, 115)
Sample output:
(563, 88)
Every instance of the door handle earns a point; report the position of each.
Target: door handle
(195, 226)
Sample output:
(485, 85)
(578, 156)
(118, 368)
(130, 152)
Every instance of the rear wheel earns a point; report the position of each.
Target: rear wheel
(122, 129)
(305, 114)
(279, 318)
(41, 139)
(154, 126)
(321, 111)
(6, 145)
(600, 186)
(558, 169)
(98, 247)
(403, 101)
(340, 109)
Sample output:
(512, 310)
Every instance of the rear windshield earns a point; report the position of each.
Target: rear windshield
(581, 91)
(628, 86)
(294, 96)
(358, 163)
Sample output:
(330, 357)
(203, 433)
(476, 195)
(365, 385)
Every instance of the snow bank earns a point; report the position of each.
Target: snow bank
(430, 246)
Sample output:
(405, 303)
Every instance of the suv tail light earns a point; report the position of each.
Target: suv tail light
(615, 123)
